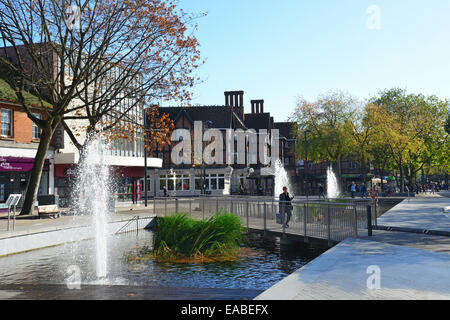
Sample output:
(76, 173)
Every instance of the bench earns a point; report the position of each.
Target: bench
(52, 211)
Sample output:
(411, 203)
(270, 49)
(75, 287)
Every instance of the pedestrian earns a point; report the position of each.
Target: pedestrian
(286, 206)
(353, 189)
(321, 191)
(363, 191)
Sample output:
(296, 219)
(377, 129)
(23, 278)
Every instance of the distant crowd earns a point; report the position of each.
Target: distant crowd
(430, 188)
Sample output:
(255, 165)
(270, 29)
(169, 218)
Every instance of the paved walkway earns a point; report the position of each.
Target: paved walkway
(342, 273)
(27, 225)
(417, 214)
(413, 266)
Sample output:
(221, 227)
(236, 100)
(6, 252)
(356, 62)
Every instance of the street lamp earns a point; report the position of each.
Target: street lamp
(208, 123)
(145, 158)
(306, 163)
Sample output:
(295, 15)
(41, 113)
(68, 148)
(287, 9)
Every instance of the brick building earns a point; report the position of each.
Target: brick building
(221, 179)
(19, 140)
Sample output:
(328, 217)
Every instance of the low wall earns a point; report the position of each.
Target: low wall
(49, 238)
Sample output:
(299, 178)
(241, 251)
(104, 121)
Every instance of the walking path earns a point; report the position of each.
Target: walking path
(342, 273)
(419, 214)
(409, 265)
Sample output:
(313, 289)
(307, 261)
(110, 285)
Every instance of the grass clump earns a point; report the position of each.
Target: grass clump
(183, 239)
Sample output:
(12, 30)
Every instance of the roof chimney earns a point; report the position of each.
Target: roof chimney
(257, 106)
(234, 99)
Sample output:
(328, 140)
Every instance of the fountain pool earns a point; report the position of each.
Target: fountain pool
(52, 266)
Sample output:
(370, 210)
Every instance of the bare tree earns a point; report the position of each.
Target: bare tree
(94, 61)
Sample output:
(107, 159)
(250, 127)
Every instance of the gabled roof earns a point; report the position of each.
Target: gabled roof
(221, 116)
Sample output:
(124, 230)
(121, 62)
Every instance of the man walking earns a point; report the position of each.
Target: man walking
(286, 206)
(321, 191)
(353, 189)
(363, 191)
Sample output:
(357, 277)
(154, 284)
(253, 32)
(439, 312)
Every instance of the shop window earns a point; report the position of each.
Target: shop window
(178, 183)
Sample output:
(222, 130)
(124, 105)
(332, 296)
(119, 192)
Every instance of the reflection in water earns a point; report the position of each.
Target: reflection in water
(50, 266)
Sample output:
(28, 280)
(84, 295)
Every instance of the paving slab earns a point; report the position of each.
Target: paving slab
(342, 273)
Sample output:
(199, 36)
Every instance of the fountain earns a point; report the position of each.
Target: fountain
(92, 196)
(281, 178)
(332, 184)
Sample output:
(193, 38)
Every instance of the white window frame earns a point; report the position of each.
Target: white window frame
(11, 120)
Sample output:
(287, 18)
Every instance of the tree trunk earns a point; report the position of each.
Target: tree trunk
(36, 172)
(402, 179)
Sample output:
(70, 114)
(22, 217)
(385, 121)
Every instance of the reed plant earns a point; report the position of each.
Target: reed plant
(181, 238)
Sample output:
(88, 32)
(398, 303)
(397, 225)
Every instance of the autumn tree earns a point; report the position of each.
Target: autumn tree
(412, 128)
(329, 119)
(94, 61)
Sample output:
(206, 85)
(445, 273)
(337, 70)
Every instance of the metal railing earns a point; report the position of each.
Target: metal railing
(127, 228)
(327, 220)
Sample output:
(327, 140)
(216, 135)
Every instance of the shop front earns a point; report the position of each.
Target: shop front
(15, 174)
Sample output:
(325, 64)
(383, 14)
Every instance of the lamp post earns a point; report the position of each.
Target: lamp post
(209, 123)
(306, 163)
(145, 158)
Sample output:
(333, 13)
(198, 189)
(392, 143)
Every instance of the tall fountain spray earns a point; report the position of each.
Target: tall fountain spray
(332, 184)
(93, 191)
(281, 179)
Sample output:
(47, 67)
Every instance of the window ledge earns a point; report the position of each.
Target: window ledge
(35, 140)
(6, 138)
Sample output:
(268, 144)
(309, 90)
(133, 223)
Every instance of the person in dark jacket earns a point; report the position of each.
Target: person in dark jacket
(286, 206)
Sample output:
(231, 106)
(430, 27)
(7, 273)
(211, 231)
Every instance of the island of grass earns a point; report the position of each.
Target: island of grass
(181, 239)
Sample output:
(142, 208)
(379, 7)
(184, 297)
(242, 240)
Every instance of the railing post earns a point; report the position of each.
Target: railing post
(304, 220)
(231, 206)
(217, 204)
(176, 205)
(190, 207)
(154, 205)
(376, 214)
(329, 224)
(369, 220)
(265, 216)
(203, 208)
(137, 224)
(246, 213)
(355, 216)
(165, 206)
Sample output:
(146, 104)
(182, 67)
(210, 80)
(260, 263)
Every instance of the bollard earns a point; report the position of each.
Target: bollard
(369, 220)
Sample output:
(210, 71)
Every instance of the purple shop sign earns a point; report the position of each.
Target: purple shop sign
(19, 164)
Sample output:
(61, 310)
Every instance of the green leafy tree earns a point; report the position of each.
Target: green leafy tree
(329, 119)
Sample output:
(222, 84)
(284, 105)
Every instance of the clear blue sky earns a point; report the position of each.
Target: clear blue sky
(279, 50)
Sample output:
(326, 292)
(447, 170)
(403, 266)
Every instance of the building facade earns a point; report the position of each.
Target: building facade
(245, 178)
(19, 140)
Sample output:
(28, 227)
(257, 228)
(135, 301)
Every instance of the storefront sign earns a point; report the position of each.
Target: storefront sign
(19, 164)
